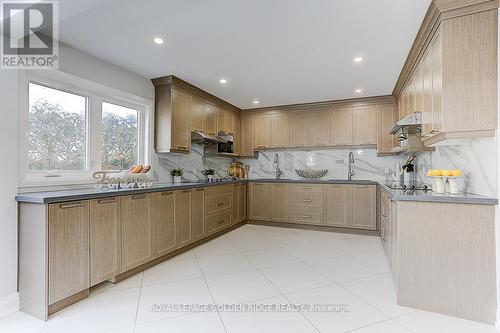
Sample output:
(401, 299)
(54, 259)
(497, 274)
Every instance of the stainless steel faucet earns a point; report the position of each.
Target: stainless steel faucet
(350, 172)
(278, 172)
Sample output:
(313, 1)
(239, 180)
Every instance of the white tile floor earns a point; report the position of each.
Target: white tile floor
(255, 265)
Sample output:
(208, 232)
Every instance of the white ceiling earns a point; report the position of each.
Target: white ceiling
(276, 51)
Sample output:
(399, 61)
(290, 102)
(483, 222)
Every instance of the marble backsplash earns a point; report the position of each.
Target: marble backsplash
(476, 157)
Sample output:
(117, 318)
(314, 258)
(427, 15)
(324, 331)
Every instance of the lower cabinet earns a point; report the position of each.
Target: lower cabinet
(307, 204)
(258, 207)
(165, 238)
(239, 203)
(198, 215)
(104, 233)
(183, 217)
(137, 230)
(280, 202)
(68, 249)
(338, 205)
(219, 208)
(364, 207)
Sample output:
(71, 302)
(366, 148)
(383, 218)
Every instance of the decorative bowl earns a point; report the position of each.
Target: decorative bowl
(311, 174)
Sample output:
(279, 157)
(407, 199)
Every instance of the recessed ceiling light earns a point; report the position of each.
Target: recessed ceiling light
(158, 40)
(223, 81)
(359, 91)
(255, 102)
(358, 59)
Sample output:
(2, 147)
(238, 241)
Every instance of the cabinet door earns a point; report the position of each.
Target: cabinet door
(364, 207)
(198, 214)
(104, 239)
(236, 135)
(181, 108)
(259, 202)
(280, 131)
(321, 128)
(437, 84)
(386, 121)
(246, 136)
(210, 120)
(262, 131)
(229, 122)
(299, 128)
(280, 204)
(426, 94)
(183, 216)
(342, 127)
(197, 114)
(68, 249)
(224, 121)
(418, 89)
(165, 223)
(137, 220)
(242, 202)
(365, 125)
(338, 205)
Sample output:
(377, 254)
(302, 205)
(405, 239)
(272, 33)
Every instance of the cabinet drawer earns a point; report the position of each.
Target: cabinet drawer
(218, 221)
(218, 190)
(217, 203)
(308, 198)
(306, 188)
(386, 222)
(308, 215)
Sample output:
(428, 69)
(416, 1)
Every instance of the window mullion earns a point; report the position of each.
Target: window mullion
(95, 133)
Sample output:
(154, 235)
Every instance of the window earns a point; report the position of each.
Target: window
(56, 130)
(120, 137)
(75, 127)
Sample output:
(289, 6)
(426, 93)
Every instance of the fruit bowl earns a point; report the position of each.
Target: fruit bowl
(311, 174)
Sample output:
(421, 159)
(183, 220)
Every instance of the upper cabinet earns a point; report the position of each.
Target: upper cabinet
(225, 121)
(299, 128)
(280, 128)
(454, 82)
(387, 117)
(197, 114)
(365, 125)
(181, 108)
(342, 127)
(262, 131)
(246, 135)
(211, 116)
(321, 128)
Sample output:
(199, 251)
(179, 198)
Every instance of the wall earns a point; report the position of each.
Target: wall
(8, 209)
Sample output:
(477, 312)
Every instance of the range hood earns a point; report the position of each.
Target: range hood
(412, 123)
(198, 136)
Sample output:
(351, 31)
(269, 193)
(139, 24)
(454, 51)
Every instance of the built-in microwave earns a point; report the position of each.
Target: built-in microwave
(227, 146)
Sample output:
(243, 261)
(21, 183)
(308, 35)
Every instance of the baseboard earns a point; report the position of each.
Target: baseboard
(9, 305)
(316, 227)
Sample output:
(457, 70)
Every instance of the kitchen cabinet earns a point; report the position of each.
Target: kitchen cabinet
(164, 210)
(338, 205)
(210, 119)
(342, 127)
(137, 230)
(365, 125)
(239, 203)
(181, 108)
(280, 131)
(386, 225)
(104, 233)
(258, 207)
(321, 128)
(225, 121)
(299, 129)
(280, 202)
(219, 208)
(197, 114)
(68, 249)
(236, 135)
(307, 203)
(198, 214)
(246, 135)
(364, 207)
(387, 118)
(183, 217)
(262, 131)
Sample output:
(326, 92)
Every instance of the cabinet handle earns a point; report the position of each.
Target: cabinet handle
(182, 147)
(138, 197)
(186, 191)
(261, 147)
(306, 216)
(74, 205)
(220, 222)
(258, 184)
(106, 201)
(166, 193)
(220, 204)
(306, 200)
(306, 187)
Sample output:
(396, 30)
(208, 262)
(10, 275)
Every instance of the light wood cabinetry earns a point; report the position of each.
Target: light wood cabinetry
(342, 127)
(338, 205)
(258, 206)
(210, 119)
(181, 108)
(68, 254)
(262, 131)
(137, 230)
(219, 208)
(197, 114)
(280, 202)
(299, 129)
(307, 204)
(239, 203)
(183, 217)
(365, 125)
(198, 214)
(164, 210)
(364, 207)
(280, 127)
(386, 119)
(225, 121)
(104, 239)
(246, 135)
(321, 128)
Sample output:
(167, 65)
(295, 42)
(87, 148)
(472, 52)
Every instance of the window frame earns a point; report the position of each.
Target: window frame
(96, 94)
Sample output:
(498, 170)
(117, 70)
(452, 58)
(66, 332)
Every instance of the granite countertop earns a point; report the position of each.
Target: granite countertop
(396, 195)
